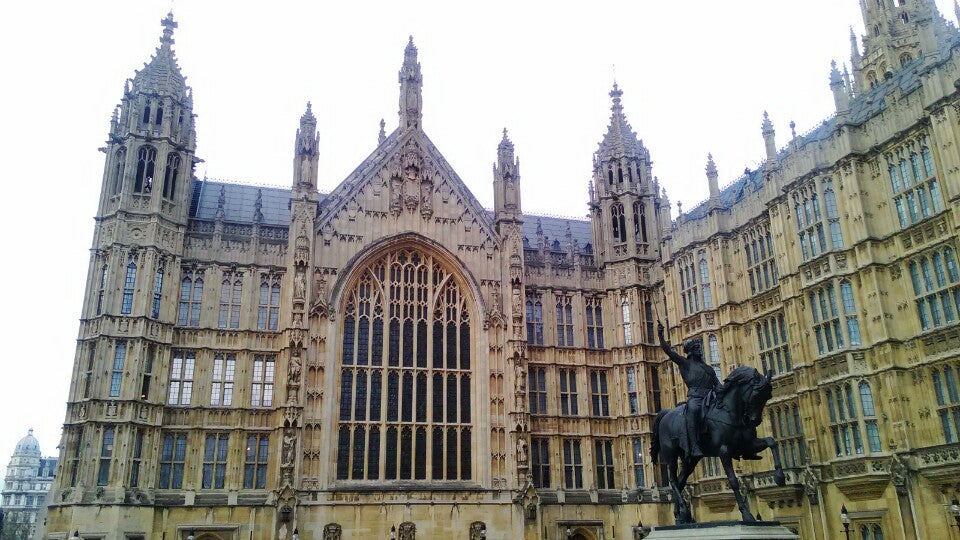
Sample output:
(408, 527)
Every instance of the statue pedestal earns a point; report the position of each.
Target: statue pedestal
(724, 530)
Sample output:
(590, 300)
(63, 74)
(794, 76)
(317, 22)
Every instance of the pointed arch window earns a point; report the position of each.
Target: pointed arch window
(564, 321)
(170, 176)
(231, 296)
(101, 291)
(619, 223)
(948, 400)
(146, 114)
(869, 417)
(627, 323)
(268, 309)
(936, 286)
(116, 374)
(915, 186)
(705, 282)
(639, 223)
(119, 165)
(191, 294)
(146, 166)
(714, 345)
(594, 323)
(534, 319)
(129, 283)
(157, 291)
(405, 399)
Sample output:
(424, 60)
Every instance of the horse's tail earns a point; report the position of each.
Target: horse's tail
(655, 445)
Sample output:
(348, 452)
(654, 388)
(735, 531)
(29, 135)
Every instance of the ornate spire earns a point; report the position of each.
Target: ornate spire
(854, 49)
(620, 139)
(839, 88)
(769, 139)
(308, 140)
(162, 74)
(956, 10)
(505, 149)
(411, 88)
(712, 182)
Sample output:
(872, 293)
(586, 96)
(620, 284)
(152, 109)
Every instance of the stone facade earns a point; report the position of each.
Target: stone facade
(391, 359)
(25, 487)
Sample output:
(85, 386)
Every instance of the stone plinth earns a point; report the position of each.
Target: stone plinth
(724, 530)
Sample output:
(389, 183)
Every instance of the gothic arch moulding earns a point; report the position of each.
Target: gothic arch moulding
(354, 268)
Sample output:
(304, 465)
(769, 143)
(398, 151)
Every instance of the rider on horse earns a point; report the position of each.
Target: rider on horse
(701, 381)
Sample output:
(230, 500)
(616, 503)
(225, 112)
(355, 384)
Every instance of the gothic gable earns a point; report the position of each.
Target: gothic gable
(407, 182)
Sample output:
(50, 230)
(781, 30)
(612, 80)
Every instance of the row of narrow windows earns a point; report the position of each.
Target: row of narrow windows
(592, 317)
(146, 165)
(213, 451)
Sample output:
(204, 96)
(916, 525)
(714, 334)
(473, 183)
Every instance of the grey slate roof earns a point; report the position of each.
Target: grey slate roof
(862, 108)
(555, 229)
(240, 199)
(239, 202)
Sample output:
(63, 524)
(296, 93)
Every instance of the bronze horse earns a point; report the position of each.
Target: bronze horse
(730, 431)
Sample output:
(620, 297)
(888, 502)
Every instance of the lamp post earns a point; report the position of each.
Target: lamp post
(393, 532)
(569, 533)
(296, 533)
(76, 535)
(955, 510)
(845, 519)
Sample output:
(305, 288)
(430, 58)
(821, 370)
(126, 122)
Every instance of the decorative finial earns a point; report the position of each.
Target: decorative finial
(793, 129)
(711, 166)
(221, 203)
(383, 132)
(767, 126)
(168, 25)
(30, 431)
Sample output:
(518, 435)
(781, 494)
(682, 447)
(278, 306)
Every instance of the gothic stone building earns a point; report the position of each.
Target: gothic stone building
(391, 358)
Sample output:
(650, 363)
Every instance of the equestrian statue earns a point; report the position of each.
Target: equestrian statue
(716, 421)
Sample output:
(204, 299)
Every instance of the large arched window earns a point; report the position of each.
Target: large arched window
(170, 176)
(119, 164)
(619, 223)
(405, 377)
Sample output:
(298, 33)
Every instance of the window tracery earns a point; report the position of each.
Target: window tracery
(405, 378)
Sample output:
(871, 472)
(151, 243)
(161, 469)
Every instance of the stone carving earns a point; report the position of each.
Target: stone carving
(299, 283)
(521, 450)
(408, 531)
(478, 530)
(811, 485)
(519, 375)
(898, 474)
(332, 531)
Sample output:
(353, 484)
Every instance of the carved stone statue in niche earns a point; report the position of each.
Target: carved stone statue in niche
(478, 530)
(289, 448)
(408, 531)
(396, 192)
(411, 186)
(521, 450)
(299, 283)
(302, 252)
(332, 531)
(519, 375)
(426, 197)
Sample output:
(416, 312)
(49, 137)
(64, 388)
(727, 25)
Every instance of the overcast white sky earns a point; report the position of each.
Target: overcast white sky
(696, 75)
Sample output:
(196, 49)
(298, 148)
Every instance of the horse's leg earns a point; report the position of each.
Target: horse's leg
(758, 445)
(686, 469)
(727, 461)
(679, 503)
